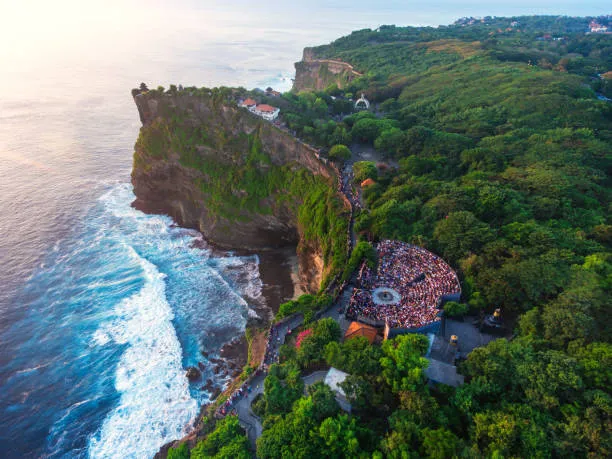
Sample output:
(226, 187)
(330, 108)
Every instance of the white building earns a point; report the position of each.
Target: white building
(333, 379)
(267, 112)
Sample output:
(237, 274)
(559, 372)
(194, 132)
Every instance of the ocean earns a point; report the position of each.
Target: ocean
(103, 307)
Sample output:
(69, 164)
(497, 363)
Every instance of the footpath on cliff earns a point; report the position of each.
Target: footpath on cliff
(279, 331)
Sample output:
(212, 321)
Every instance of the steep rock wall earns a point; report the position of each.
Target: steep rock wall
(313, 74)
(220, 169)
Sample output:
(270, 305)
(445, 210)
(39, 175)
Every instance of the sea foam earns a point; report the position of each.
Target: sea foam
(155, 405)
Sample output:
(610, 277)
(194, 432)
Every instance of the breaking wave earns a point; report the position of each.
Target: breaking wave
(155, 406)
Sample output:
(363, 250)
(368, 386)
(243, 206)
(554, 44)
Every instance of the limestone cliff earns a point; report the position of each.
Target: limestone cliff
(236, 178)
(312, 74)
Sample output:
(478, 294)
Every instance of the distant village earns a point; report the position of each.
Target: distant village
(595, 26)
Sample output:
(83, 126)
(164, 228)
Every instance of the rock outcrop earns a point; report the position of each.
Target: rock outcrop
(312, 74)
(193, 374)
(220, 169)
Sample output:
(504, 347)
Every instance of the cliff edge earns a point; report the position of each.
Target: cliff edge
(312, 74)
(242, 182)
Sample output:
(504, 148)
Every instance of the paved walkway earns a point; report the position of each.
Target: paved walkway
(248, 419)
(346, 186)
(336, 311)
(470, 337)
(312, 378)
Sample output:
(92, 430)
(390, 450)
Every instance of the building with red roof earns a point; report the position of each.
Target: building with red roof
(248, 103)
(359, 329)
(367, 182)
(266, 111)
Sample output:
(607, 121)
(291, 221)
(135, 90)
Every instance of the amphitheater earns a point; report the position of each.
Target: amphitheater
(406, 291)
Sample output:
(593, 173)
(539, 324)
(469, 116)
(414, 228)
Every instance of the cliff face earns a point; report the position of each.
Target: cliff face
(313, 74)
(222, 170)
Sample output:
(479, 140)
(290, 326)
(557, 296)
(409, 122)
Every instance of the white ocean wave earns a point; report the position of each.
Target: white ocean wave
(155, 406)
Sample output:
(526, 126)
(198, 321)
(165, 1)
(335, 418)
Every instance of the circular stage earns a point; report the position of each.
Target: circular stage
(385, 295)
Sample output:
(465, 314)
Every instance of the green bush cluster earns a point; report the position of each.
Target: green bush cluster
(227, 440)
(454, 309)
(305, 304)
(340, 152)
(362, 251)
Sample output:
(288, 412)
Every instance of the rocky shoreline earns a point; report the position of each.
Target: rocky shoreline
(278, 269)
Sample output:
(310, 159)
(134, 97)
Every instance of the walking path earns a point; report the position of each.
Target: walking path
(312, 378)
(247, 418)
(278, 333)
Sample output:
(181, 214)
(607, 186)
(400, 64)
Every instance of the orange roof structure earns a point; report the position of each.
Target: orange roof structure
(367, 182)
(359, 329)
(266, 108)
(249, 102)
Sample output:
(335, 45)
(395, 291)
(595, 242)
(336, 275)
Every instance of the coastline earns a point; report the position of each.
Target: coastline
(280, 283)
(290, 263)
(278, 270)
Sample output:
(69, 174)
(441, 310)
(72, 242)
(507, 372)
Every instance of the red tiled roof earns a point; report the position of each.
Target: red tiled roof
(249, 102)
(359, 329)
(367, 182)
(266, 108)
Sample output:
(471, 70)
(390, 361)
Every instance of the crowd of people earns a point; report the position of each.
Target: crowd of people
(348, 189)
(228, 406)
(420, 277)
(271, 354)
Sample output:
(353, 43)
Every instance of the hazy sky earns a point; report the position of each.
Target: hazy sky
(38, 36)
(46, 23)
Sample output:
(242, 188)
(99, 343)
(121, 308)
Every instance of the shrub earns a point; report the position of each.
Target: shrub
(180, 452)
(301, 337)
(363, 250)
(306, 304)
(340, 152)
(454, 309)
(365, 170)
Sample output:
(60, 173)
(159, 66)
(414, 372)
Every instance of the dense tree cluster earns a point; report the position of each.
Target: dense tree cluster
(227, 440)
